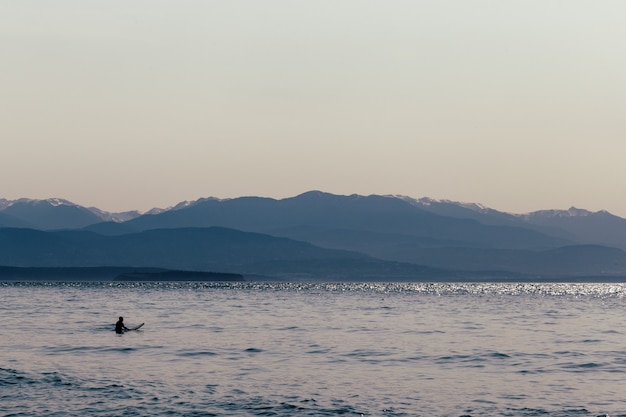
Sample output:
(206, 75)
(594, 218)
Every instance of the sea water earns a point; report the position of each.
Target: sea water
(263, 349)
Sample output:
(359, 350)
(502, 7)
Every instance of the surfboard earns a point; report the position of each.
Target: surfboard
(136, 327)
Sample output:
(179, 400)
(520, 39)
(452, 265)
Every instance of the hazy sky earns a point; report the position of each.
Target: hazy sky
(519, 105)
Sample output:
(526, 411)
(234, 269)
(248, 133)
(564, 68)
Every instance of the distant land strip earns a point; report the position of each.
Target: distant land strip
(179, 276)
(110, 273)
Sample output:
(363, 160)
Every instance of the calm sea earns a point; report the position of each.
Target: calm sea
(246, 349)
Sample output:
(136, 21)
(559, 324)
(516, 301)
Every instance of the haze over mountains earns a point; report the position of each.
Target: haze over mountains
(318, 235)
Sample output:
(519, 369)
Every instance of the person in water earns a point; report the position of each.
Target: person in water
(119, 326)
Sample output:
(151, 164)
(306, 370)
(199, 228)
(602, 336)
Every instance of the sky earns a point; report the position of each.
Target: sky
(518, 105)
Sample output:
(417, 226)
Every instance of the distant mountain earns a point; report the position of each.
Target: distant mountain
(460, 210)
(54, 214)
(587, 260)
(576, 225)
(120, 217)
(317, 234)
(7, 220)
(197, 249)
(322, 213)
(600, 227)
(259, 255)
(51, 214)
(446, 221)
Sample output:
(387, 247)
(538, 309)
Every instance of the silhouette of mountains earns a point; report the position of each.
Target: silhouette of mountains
(321, 211)
(54, 214)
(197, 249)
(319, 236)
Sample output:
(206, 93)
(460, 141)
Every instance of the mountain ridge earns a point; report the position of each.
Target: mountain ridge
(570, 226)
(225, 250)
(397, 235)
(197, 249)
(374, 213)
(422, 202)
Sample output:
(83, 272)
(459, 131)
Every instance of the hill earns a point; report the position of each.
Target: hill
(198, 249)
(263, 256)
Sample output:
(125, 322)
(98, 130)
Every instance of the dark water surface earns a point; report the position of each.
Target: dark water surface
(313, 349)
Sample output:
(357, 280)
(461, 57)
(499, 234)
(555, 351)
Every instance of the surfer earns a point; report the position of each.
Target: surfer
(119, 326)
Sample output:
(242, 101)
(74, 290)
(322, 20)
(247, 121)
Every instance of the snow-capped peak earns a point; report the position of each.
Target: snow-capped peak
(59, 202)
(426, 202)
(473, 206)
(182, 205)
(114, 217)
(576, 212)
(569, 213)
(403, 197)
(55, 202)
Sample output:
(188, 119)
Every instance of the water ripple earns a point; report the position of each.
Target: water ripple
(313, 349)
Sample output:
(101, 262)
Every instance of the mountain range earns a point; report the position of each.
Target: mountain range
(318, 235)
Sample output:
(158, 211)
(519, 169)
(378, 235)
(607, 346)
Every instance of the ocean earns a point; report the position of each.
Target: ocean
(313, 349)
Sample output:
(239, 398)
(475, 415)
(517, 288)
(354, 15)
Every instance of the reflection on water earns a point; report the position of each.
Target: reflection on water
(377, 349)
